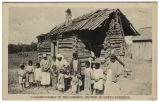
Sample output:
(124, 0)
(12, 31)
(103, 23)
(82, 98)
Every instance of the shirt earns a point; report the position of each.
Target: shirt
(61, 64)
(30, 69)
(75, 65)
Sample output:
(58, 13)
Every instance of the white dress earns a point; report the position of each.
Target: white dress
(30, 70)
(61, 84)
(45, 76)
(110, 87)
(61, 64)
(37, 74)
(87, 80)
(98, 75)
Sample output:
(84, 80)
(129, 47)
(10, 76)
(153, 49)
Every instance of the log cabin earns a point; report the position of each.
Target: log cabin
(97, 34)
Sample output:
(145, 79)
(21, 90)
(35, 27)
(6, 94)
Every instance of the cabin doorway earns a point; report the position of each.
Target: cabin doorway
(93, 42)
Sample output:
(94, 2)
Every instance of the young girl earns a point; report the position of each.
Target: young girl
(22, 76)
(37, 74)
(87, 82)
(98, 78)
(60, 84)
(30, 73)
(74, 83)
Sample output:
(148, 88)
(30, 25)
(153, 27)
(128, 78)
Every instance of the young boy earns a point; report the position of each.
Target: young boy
(37, 74)
(87, 80)
(30, 73)
(98, 78)
(22, 76)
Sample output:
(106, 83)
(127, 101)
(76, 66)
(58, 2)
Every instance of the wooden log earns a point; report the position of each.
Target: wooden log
(44, 50)
(65, 45)
(41, 53)
(116, 37)
(119, 42)
(84, 60)
(64, 42)
(84, 56)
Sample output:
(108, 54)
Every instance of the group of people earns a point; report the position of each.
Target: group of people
(61, 75)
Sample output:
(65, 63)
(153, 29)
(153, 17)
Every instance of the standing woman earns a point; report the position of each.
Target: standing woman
(113, 73)
(61, 67)
(45, 74)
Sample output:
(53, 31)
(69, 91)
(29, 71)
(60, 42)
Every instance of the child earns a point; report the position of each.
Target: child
(60, 84)
(75, 67)
(54, 73)
(30, 73)
(98, 78)
(74, 83)
(87, 82)
(37, 74)
(22, 76)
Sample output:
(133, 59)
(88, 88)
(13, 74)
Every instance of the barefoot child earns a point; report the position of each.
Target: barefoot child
(75, 67)
(30, 73)
(61, 84)
(74, 83)
(37, 74)
(87, 80)
(54, 73)
(98, 78)
(22, 76)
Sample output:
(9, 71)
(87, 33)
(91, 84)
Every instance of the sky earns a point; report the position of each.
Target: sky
(25, 23)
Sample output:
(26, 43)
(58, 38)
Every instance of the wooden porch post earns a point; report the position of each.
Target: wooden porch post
(52, 49)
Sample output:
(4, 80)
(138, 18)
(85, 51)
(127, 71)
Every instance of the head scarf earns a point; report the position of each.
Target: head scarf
(44, 55)
(60, 56)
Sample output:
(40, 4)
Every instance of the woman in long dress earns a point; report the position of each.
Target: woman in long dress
(45, 74)
(61, 65)
(112, 86)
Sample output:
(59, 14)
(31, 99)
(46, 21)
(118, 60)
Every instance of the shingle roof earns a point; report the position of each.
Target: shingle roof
(145, 34)
(91, 21)
(88, 21)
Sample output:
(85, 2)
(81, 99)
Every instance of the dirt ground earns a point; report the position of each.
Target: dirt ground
(140, 82)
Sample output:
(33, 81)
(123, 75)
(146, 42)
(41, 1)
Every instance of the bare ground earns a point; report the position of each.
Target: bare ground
(140, 83)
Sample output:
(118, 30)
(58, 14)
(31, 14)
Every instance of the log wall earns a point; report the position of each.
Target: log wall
(65, 47)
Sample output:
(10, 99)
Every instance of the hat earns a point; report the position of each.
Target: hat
(59, 56)
(44, 55)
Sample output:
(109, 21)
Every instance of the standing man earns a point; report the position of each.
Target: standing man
(45, 74)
